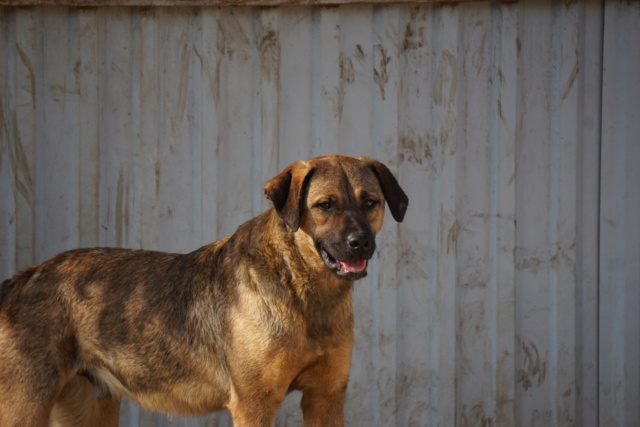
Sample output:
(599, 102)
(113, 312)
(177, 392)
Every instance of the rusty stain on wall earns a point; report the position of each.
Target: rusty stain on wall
(380, 74)
(346, 70)
(347, 76)
(533, 371)
(572, 77)
(446, 80)
(415, 149)
(475, 416)
(532, 263)
(452, 237)
(29, 65)
(270, 53)
(182, 89)
(360, 54)
(414, 32)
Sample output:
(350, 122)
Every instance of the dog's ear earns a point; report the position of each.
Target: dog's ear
(286, 191)
(393, 193)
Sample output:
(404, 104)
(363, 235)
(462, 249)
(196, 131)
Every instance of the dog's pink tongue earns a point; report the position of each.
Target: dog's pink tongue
(355, 266)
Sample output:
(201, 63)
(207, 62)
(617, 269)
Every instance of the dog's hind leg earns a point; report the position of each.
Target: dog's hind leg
(26, 393)
(19, 411)
(21, 405)
(80, 404)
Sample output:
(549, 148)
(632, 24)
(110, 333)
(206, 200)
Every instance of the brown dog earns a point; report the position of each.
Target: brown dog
(236, 324)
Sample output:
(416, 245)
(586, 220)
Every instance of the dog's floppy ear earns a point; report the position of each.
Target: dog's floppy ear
(393, 193)
(286, 192)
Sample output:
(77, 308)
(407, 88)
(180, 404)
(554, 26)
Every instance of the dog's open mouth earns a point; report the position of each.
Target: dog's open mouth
(351, 269)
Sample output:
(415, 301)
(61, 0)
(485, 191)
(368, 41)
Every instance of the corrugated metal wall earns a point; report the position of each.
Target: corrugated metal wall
(510, 296)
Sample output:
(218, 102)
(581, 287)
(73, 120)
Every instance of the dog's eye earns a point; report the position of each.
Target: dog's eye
(369, 204)
(325, 205)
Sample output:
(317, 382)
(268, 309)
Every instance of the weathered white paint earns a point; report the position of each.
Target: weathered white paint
(509, 296)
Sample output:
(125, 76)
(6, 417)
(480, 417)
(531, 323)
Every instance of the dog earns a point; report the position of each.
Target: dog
(234, 325)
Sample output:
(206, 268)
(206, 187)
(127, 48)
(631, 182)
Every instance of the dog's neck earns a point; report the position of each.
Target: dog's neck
(325, 299)
(278, 278)
(309, 273)
(319, 294)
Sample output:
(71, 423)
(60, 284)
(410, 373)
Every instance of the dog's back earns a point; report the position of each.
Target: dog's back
(15, 282)
(92, 319)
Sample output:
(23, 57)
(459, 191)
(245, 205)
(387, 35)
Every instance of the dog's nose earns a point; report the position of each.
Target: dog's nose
(360, 242)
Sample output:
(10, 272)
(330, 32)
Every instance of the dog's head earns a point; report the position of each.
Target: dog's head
(337, 202)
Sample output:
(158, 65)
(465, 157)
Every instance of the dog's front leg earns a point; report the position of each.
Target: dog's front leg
(324, 387)
(253, 414)
(254, 404)
(259, 384)
(321, 409)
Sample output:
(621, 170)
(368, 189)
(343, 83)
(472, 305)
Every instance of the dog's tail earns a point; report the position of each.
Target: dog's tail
(16, 281)
(80, 405)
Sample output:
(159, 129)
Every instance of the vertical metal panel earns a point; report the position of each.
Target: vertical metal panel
(620, 209)
(546, 307)
(158, 127)
(486, 222)
(427, 147)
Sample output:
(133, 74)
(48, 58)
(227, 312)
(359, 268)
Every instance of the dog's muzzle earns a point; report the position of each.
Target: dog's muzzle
(351, 262)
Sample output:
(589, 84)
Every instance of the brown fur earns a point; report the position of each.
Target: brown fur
(233, 325)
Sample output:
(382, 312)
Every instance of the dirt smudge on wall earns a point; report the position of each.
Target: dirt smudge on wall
(534, 369)
(446, 80)
(414, 33)
(270, 53)
(475, 416)
(380, 74)
(415, 149)
(347, 76)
